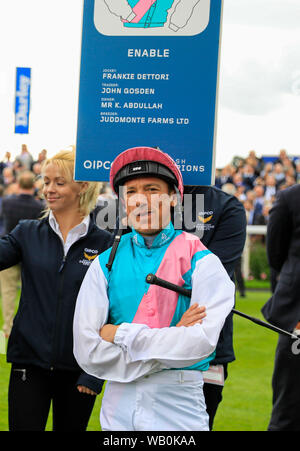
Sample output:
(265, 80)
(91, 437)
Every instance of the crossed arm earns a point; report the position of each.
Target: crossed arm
(126, 352)
(192, 316)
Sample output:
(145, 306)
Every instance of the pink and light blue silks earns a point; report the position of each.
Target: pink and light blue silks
(173, 256)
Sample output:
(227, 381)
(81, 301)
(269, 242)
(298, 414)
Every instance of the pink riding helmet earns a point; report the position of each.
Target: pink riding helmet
(142, 162)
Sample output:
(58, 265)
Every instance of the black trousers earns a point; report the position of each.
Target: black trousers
(213, 397)
(31, 390)
(286, 389)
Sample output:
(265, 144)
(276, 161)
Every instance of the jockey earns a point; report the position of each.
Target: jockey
(151, 344)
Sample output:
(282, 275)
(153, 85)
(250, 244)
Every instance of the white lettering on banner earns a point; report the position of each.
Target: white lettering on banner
(181, 120)
(113, 76)
(191, 168)
(111, 90)
(112, 117)
(148, 91)
(143, 106)
(151, 53)
(23, 96)
(106, 104)
(130, 91)
(116, 76)
(184, 167)
(152, 77)
(123, 119)
(161, 120)
(97, 164)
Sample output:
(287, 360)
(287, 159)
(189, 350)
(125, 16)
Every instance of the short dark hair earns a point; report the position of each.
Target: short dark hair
(26, 180)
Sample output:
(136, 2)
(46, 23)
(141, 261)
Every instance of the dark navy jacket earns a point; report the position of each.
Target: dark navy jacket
(221, 227)
(283, 249)
(42, 332)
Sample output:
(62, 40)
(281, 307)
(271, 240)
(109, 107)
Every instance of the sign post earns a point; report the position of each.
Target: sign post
(149, 77)
(22, 105)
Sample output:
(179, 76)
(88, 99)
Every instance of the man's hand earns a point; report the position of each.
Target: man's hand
(108, 332)
(193, 315)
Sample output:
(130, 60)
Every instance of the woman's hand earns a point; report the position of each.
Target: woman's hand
(193, 315)
(108, 332)
(86, 390)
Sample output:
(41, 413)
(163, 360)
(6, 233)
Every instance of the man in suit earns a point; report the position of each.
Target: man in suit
(283, 308)
(221, 226)
(14, 208)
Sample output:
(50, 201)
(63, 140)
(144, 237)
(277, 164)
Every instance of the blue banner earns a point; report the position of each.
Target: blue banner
(149, 76)
(22, 106)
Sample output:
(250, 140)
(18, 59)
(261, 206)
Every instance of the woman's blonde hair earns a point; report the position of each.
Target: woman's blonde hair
(65, 160)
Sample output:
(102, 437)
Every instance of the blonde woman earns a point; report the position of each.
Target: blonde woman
(55, 253)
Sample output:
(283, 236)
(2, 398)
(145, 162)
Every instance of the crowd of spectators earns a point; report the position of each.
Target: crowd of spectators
(10, 171)
(255, 182)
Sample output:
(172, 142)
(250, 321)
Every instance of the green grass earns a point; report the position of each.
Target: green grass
(258, 284)
(4, 375)
(247, 394)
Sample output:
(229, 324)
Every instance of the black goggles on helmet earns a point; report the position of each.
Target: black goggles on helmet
(144, 168)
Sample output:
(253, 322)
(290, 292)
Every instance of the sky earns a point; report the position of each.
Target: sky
(259, 80)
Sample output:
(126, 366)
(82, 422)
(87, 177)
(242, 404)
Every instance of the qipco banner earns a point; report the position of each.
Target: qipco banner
(149, 76)
(22, 102)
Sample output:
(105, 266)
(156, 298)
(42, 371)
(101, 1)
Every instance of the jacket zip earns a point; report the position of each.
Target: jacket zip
(59, 302)
(62, 264)
(58, 308)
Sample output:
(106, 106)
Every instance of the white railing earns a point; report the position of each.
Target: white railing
(256, 230)
(251, 230)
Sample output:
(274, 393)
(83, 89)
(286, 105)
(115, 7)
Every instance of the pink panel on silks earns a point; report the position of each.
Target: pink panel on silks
(158, 305)
(141, 8)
